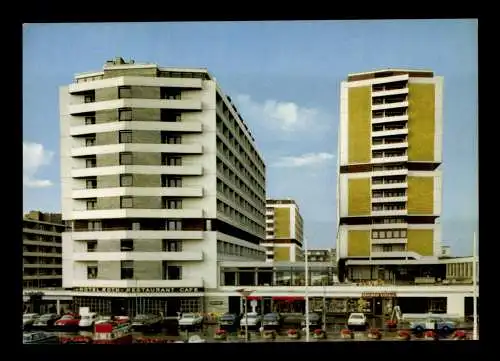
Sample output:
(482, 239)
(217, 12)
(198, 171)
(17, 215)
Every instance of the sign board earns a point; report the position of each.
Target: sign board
(378, 294)
(139, 289)
(253, 303)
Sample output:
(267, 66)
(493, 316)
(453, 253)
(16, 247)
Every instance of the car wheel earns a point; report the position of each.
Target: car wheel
(446, 329)
(419, 329)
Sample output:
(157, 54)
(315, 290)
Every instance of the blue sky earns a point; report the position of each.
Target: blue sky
(285, 79)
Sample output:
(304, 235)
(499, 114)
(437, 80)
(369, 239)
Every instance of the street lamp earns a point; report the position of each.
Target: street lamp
(245, 293)
(474, 285)
(307, 289)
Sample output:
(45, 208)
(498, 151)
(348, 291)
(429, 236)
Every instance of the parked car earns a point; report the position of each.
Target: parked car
(229, 321)
(29, 319)
(253, 318)
(147, 322)
(39, 337)
(357, 320)
(68, 321)
(88, 320)
(438, 324)
(272, 320)
(190, 320)
(292, 319)
(46, 321)
(314, 320)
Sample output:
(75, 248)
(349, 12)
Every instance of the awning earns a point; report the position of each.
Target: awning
(254, 298)
(288, 298)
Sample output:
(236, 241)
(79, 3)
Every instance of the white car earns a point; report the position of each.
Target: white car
(357, 320)
(88, 320)
(29, 319)
(190, 320)
(254, 320)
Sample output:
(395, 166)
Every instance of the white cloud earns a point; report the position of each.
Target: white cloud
(287, 116)
(34, 157)
(304, 160)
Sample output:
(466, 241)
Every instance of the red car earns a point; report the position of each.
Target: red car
(67, 321)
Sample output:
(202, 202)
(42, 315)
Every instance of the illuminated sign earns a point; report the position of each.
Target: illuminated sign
(139, 289)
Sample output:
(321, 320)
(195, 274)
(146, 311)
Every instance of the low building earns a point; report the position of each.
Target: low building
(42, 250)
(325, 255)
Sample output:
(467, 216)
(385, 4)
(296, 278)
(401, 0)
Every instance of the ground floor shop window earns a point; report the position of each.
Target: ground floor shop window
(191, 305)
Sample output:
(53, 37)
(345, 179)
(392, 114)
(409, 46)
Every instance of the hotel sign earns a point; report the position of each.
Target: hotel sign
(139, 289)
(378, 294)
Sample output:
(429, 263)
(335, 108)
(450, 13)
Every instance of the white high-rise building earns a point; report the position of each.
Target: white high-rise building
(161, 179)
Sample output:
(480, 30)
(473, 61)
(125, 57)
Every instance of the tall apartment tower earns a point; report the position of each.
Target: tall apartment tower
(284, 231)
(389, 182)
(160, 179)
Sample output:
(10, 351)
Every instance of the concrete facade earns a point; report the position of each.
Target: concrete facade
(160, 159)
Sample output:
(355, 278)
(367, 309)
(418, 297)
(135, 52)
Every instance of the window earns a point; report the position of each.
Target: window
(170, 93)
(172, 139)
(168, 181)
(374, 234)
(91, 183)
(89, 142)
(89, 98)
(127, 270)
(91, 246)
(170, 116)
(126, 180)
(136, 226)
(171, 272)
(403, 233)
(126, 245)
(124, 92)
(173, 225)
(90, 120)
(174, 160)
(95, 226)
(386, 248)
(91, 204)
(125, 136)
(124, 114)
(126, 158)
(173, 203)
(92, 272)
(126, 202)
(90, 163)
(171, 245)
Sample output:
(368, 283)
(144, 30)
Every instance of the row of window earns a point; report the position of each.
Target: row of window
(126, 137)
(381, 194)
(231, 249)
(232, 213)
(127, 271)
(230, 194)
(238, 133)
(389, 140)
(389, 179)
(389, 99)
(227, 136)
(128, 202)
(389, 153)
(241, 169)
(127, 180)
(389, 233)
(241, 184)
(389, 126)
(389, 206)
(127, 158)
(127, 245)
(170, 225)
(127, 115)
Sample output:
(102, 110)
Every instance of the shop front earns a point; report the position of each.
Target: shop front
(133, 301)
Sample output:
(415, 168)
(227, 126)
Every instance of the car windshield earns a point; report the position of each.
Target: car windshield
(141, 317)
(67, 317)
(27, 317)
(271, 316)
(45, 317)
(86, 317)
(251, 315)
(358, 316)
(188, 315)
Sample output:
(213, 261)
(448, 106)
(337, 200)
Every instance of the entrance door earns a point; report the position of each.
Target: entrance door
(119, 307)
(377, 307)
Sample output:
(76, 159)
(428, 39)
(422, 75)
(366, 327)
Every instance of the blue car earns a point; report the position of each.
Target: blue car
(440, 325)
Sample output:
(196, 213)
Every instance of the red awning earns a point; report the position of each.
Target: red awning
(254, 298)
(288, 298)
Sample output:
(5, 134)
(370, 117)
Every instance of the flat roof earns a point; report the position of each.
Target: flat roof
(391, 69)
